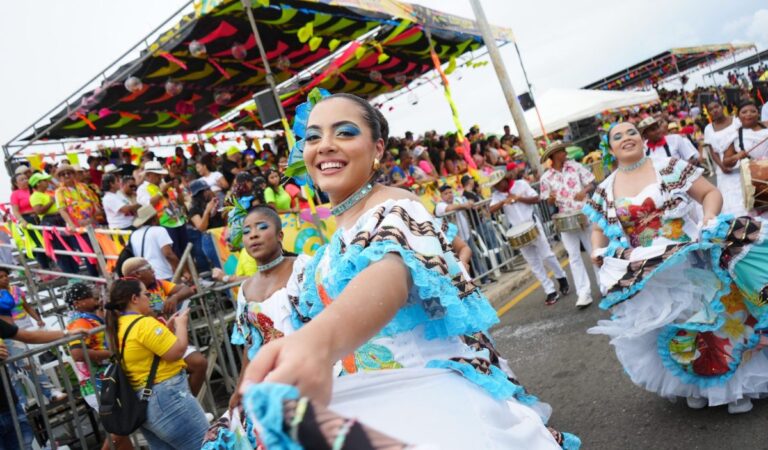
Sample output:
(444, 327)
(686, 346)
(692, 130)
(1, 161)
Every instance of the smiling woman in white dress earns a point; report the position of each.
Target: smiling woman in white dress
(388, 299)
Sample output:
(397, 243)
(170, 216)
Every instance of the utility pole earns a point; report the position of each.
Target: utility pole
(529, 146)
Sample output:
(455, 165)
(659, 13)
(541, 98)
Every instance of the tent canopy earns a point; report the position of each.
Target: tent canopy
(667, 64)
(745, 62)
(208, 64)
(559, 107)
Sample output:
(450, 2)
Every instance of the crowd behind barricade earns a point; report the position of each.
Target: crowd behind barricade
(167, 202)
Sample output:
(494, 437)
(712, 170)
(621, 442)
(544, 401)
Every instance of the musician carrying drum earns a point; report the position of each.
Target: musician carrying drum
(517, 198)
(748, 154)
(566, 185)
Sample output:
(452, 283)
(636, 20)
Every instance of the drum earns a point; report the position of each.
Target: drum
(521, 235)
(574, 221)
(754, 184)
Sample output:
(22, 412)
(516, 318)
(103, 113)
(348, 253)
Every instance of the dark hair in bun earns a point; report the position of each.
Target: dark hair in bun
(375, 120)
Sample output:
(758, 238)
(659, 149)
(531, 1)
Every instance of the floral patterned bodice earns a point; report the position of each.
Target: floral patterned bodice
(643, 221)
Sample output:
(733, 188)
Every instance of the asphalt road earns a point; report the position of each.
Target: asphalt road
(579, 375)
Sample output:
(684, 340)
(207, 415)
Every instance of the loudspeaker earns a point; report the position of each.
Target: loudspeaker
(732, 96)
(266, 107)
(526, 101)
(583, 128)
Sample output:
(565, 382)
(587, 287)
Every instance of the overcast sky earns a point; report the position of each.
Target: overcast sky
(50, 48)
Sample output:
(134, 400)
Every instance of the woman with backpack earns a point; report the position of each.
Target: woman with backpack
(174, 418)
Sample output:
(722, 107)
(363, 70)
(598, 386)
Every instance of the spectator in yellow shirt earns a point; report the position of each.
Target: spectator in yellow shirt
(174, 417)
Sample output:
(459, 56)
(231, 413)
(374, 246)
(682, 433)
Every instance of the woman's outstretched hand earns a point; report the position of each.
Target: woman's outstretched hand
(298, 360)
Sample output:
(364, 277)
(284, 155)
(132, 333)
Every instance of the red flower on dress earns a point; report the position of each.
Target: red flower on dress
(645, 215)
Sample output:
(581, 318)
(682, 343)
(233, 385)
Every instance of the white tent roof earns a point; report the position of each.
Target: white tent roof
(558, 107)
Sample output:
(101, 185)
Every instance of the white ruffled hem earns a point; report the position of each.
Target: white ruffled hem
(438, 407)
(641, 361)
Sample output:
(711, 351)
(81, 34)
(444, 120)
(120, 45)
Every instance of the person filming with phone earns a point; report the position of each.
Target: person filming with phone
(165, 302)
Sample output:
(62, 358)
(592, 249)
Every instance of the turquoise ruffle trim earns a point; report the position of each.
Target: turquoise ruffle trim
(496, 383)
(445, 315)
(614, 233)
(264, 404)
(571, 442)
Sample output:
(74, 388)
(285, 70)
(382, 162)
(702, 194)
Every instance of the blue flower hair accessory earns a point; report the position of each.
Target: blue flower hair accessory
(605, 146)
(296, 168)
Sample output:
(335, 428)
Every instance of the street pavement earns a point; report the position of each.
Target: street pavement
(591, 396)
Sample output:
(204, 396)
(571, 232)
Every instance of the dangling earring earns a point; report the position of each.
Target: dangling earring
(376, 164)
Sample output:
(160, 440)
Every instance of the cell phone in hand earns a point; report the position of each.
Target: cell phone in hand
(184, 306)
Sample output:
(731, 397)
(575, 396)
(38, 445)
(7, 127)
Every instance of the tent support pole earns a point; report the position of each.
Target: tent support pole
(270, 77)
(531, 153)
(530, 92)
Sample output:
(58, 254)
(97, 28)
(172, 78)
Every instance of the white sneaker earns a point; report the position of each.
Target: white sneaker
(209, 417)
(740, 406)
(583, 301)
(696, 402)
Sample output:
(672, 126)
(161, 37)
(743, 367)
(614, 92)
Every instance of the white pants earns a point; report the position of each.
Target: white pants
(537, 254)
(571, 240)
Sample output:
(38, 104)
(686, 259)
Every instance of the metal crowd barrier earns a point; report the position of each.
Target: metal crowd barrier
(485, 233)
(212, 313)
(45, 419)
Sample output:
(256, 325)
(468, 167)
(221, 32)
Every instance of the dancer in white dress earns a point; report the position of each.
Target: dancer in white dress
(719, 135)
(749, 143)
(688, 311)
(388, 299)
(264, 300)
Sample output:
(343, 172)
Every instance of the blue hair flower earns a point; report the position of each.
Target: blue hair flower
(296, 168)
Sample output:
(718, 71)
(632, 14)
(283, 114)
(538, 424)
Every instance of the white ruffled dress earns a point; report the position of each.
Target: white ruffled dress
(687, 312)
(430, 376)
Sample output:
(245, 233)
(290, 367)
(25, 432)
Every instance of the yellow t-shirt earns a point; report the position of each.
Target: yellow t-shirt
(246, 265)
(147, 339)
(41, 198)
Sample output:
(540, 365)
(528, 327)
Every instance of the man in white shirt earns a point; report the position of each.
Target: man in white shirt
(457, 205)
(567, 185)
(659, 146)
(517, 204)
(153, 243)
(118, 208)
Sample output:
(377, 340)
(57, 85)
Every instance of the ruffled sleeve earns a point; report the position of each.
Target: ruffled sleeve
(677, 177)
(441, 299)
(601, 211)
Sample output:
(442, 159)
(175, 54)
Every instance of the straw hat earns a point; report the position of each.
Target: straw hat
(155, 167)
(646, 123)
(494, 178)
(552, 148)
(64, 168)
(143, 215)
(111, 168)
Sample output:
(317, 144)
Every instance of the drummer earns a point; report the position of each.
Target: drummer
(517, 198)
(566, 185)
(659, 146)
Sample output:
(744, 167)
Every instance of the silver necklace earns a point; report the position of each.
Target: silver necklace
(353, 199)
(272, 264)
(633, 166)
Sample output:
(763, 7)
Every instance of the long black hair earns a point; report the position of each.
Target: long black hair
(121, 294)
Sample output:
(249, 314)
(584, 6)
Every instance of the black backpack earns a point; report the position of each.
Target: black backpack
(121, 411)
(127, 252)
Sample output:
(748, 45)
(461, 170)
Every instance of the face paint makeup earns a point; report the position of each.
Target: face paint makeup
(348, 130)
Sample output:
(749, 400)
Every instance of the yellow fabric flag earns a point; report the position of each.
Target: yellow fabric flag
(73, 159)
(35, 162)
